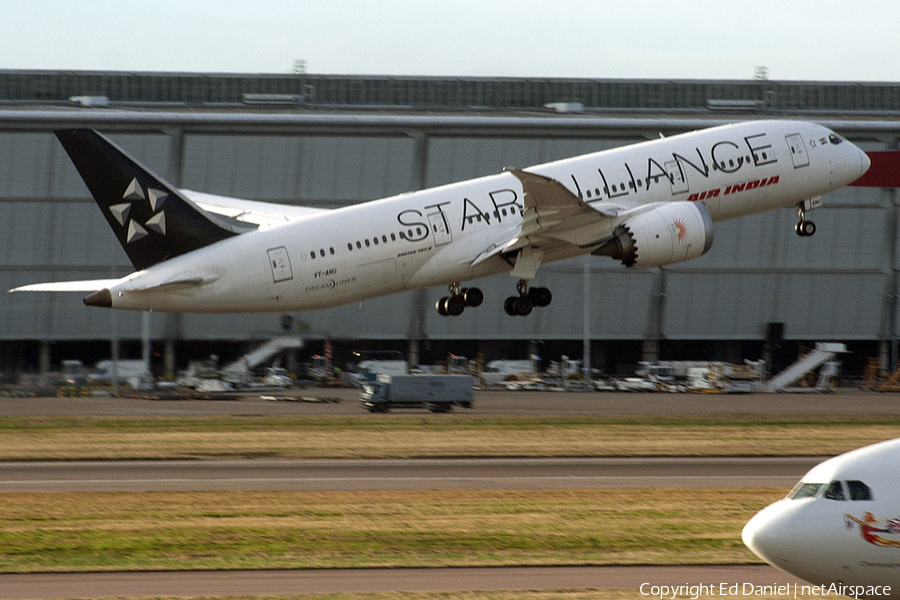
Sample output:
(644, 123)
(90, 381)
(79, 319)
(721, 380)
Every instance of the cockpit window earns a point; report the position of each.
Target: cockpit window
(835, 139)
(835, 491)
(805, 490)
(859, 490)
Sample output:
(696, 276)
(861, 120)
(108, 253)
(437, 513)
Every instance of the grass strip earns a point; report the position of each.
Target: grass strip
(407, 436)
(255, 530)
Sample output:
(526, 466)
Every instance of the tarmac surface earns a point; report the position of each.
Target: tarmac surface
(285, 582)
(322, 401)
(413, 474)
(402, 474)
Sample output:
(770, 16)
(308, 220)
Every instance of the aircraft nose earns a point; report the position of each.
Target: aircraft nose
(767, 535)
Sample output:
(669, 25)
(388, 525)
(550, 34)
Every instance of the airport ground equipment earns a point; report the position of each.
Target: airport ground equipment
(239, 370)
(823, 354)
(437, 393)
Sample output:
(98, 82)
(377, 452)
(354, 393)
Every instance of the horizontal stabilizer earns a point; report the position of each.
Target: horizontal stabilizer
(91, 285)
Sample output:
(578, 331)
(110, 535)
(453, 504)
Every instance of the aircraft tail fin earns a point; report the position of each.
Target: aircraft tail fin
(151, 218)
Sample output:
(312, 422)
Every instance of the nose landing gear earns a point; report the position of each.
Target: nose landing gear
(803, 228)
(527, 300)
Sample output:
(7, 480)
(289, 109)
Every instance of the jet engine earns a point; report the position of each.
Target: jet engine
(667, 234)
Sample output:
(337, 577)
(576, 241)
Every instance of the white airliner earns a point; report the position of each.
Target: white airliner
(839, 526)
(647, 205)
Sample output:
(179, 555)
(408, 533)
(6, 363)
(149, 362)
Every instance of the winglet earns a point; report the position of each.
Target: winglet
(152, 219)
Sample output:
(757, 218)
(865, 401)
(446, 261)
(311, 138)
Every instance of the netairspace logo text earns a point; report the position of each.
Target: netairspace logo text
(787, 590)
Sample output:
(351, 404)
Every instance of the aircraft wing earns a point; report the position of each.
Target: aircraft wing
(553, 216)
(260, 214)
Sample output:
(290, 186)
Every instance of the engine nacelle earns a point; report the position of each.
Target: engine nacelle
(664, 235)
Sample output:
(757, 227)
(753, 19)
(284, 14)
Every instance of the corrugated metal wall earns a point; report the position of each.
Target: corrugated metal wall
(835, 285)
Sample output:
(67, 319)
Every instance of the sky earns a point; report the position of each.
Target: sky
(665, 39)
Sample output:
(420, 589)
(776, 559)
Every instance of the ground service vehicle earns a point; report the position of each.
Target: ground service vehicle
(437, 393)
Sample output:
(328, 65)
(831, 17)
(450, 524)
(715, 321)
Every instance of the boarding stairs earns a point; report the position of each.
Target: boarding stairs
(823, 354)
(241, 367)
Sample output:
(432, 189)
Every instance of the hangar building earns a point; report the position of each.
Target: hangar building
(329, 141)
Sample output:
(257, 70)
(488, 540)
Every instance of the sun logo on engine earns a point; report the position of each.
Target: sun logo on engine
(681, 226)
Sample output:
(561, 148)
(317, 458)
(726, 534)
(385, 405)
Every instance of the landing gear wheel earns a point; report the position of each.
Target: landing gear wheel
(473, 296)
(509, 306)
(805, 228)
(523, 305)
(454, 305)
(528, 298)
(540, 296)
(808, 228)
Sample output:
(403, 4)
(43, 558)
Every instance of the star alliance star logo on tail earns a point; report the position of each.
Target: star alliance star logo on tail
(135, 193)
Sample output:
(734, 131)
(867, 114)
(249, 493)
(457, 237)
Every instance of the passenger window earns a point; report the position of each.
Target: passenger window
(859, 490)
(835, 491)
(312, 254)
(805, 490)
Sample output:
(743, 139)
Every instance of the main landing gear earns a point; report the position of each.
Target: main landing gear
(527, 299)
(459, 298)
(521, 305)
(803, 227)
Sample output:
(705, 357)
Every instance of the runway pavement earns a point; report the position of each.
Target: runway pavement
(845, 402)
(258, 583)
(402, 474)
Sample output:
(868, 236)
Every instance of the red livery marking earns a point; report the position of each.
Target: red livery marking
(734, 189)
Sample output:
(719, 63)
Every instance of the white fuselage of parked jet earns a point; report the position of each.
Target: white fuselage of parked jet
(667, 190)
(839, 526)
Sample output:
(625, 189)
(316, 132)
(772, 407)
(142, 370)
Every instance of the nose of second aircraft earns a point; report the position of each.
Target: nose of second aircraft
(759, 534)
(780, 535)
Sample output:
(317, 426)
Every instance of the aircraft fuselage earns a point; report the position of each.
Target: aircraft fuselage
(433, 237)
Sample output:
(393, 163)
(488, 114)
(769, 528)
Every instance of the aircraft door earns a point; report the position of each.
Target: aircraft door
(439, 229)
(280, 263)
(798, 150)
(676, 178)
